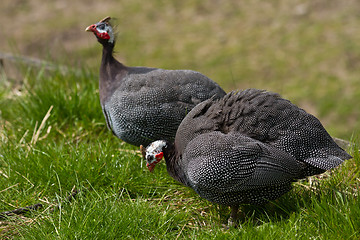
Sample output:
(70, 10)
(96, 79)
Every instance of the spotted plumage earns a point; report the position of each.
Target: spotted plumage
(247, 147)
(231, 168)
(268, 118)
(143, 104)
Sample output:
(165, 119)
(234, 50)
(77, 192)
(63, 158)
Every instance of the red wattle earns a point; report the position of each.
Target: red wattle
(159, 156)
(104, 35)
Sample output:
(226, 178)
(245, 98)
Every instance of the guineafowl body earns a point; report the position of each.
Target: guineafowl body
(143, 104)
(231, 168)
(247, 147)
(270, 119)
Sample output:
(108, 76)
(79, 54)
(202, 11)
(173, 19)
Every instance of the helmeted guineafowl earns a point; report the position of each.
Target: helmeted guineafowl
(143, 104)
(246, 147)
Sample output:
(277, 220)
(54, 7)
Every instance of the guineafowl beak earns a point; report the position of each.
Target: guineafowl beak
(143, 151)
(91, 28)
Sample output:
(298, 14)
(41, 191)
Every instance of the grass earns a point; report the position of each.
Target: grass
(54, 138)
(53, 135)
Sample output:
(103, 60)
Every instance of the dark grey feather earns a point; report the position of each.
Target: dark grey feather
(268, 118)
(223, 168)
(150, 105)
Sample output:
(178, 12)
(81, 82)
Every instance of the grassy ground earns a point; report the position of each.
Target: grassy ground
(54, 138)
(43, 156)
(53, 135)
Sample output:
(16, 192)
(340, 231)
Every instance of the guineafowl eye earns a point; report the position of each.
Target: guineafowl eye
(101, 27)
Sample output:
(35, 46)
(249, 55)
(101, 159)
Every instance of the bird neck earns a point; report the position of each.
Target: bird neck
(107, 55)
(111, 72)
(173, 163)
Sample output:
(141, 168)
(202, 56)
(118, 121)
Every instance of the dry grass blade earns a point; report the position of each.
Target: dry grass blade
(4, 190)
(46, 134)
(23, 137)
(311, 188)
(25, 178)
(182, 229)
(34, 134)
(37, 133)
(137, 152)
(4, 175)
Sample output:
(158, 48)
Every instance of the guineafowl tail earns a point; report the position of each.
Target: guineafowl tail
(325, 159)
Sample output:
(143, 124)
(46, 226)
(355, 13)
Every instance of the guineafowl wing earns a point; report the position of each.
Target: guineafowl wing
(233, 162)
(267, 117)
(151, 103)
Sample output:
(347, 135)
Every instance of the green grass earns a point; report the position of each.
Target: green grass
(307, 51)
(42, 158)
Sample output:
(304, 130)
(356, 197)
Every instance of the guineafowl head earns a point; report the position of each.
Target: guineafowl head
(103, 31)
(153, 153)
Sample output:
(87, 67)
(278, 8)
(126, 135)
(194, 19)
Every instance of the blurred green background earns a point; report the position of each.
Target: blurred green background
(308, 51)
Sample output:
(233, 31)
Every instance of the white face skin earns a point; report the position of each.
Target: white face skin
(103, 28)
(154, 149)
